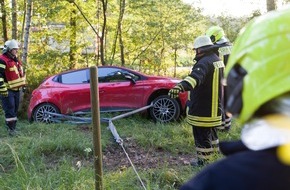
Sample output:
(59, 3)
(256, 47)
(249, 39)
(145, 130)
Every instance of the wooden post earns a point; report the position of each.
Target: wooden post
(96, 128)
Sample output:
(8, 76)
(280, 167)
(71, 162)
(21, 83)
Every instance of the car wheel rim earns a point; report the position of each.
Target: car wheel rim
(42, 114)
(164, 110)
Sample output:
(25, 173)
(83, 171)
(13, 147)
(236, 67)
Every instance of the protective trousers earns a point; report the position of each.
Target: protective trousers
(206, 142)
(226, 118)
(10, 106)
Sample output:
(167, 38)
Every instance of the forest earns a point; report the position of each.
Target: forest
(154, 37)
(58, 35)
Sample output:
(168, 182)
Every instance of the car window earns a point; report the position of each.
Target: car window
(75, 77)
(104, 75)
(115, 75)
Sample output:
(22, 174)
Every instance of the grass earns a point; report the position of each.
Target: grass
(59, 156)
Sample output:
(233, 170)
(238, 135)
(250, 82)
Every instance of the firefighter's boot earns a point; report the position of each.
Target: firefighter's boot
(11, 127)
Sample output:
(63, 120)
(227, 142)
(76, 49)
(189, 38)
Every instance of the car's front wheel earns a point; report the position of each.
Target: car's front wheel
(41, 113)
(165, 109)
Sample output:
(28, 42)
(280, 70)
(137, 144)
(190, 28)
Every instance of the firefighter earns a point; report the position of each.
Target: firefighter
(217, 36)
(258, 76)
(204, 112)
(11, 80)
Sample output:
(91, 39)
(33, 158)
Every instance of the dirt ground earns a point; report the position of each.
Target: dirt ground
(115, 157)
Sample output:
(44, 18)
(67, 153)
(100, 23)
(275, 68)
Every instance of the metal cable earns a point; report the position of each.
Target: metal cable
(121, 144)
(60, 117)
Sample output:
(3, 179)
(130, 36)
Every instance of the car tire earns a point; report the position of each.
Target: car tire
(165, 109)
(40, 115)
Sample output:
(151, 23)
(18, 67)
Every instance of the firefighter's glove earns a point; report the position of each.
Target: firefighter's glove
(174, 92)
(4, 93)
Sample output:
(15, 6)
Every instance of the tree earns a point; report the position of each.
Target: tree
(4, 20)
(104, 4)
(271, 5)
(118, 34)
(14, 19)
(73, 38)
(26, 30)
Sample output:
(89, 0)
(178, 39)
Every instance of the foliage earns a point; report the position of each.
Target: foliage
(58, 156)
(157, 35)
(152, 32)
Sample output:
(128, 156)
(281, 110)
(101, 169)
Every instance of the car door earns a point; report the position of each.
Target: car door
(75, 95)
(117, 92)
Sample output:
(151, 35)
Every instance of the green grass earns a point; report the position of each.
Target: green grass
(47, 156)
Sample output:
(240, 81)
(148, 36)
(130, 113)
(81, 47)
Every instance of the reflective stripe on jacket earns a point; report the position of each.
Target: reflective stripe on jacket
(14, 76)
(205, 105)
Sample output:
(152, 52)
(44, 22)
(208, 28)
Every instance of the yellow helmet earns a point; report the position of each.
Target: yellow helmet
(258, 69)
(215, 33)
(258, 76)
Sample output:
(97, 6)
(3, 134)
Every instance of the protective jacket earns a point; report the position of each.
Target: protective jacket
(242, 169)
(11, 73)
(204, 84)
(224, 51)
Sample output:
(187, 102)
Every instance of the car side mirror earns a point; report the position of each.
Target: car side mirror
(129, 77)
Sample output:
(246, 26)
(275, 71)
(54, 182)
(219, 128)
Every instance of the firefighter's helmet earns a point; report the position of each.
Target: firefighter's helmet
(258, 76)
(10, 44)
(215, 33)
(202, 41)
(258, 69)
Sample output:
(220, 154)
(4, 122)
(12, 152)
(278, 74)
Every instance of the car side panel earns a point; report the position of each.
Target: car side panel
(126, 94)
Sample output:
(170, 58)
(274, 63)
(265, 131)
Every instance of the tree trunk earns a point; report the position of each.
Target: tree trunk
(26, 31)
(271, 5)
(14, 19)
(122, 10)
(103, 34)
(114, 46)
(73, 37)
(4, 20)
(24, 20)
(175, 61)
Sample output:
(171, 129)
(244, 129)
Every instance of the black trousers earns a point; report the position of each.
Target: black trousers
(10, 106)
(206, 142)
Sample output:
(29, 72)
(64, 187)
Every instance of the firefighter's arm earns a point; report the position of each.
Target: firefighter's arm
(3, 88)
(174, 92)
(187, 84)
(195, 78)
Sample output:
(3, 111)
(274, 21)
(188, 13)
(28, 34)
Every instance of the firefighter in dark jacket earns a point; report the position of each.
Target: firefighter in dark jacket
(204, 112)
(258, 76)
(217, 36)
(11, 80)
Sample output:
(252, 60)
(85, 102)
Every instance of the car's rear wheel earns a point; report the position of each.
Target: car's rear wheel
(41, 113)
(165, 109)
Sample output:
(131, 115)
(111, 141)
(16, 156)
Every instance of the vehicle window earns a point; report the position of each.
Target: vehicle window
(77, 77)
(114, 75)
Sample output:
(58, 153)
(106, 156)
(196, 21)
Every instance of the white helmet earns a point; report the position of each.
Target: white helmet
(202, 41)
(11, 44)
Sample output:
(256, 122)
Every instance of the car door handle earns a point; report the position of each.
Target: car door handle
(102, 91)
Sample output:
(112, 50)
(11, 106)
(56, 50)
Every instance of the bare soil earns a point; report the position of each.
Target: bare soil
(118, 157)
(115, 157)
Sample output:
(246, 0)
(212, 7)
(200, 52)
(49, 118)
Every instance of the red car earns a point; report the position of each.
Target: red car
(120, 89)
